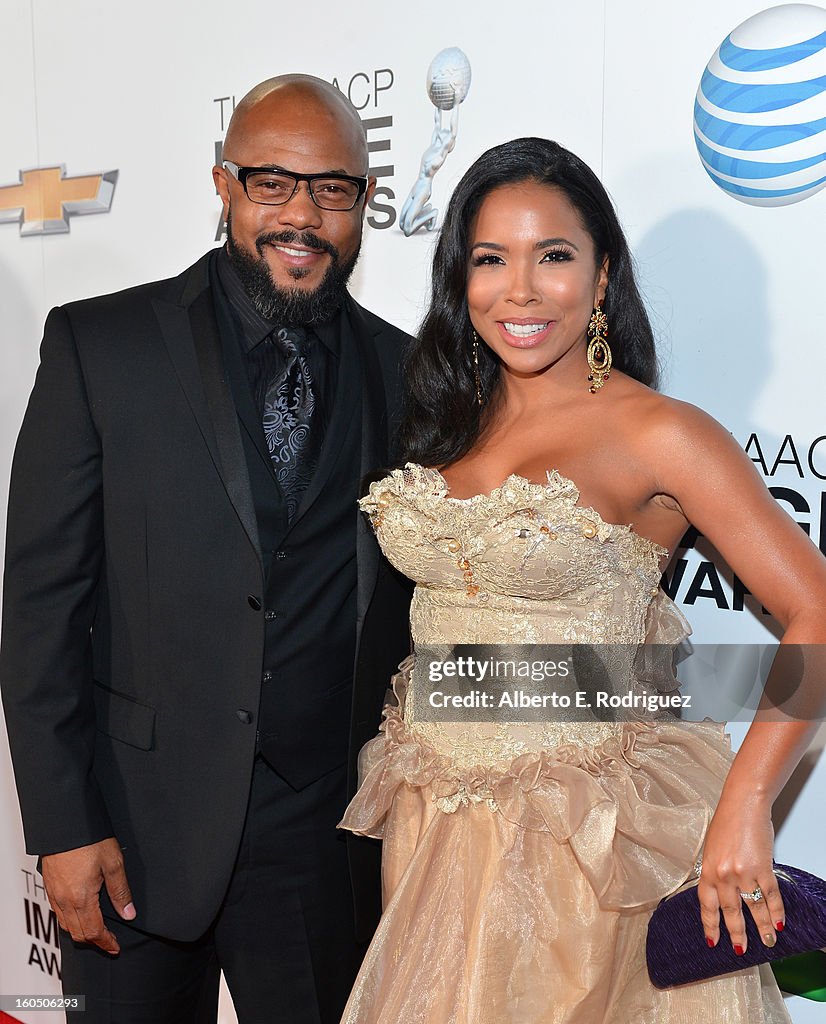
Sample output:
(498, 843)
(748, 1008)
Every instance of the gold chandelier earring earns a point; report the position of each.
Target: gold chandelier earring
(599, 351)
(477, 375)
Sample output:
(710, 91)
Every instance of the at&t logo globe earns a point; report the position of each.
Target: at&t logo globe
(760, 111)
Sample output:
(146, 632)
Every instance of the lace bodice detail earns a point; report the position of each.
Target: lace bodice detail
(524, 564)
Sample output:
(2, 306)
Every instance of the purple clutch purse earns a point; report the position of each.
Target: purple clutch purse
(676, 948)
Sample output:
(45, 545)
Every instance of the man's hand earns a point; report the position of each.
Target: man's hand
(73, 880)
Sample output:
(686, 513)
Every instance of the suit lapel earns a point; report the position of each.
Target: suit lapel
(240, 389)
(190, 331)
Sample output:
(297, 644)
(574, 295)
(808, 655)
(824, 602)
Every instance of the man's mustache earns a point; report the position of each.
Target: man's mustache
(298, 238)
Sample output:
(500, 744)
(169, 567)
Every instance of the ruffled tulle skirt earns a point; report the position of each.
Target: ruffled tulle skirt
(520, 893)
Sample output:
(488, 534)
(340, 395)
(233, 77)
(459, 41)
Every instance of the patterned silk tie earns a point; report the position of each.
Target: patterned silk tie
(290, 417)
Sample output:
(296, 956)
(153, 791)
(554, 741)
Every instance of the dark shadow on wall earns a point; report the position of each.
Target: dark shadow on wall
(705, 285)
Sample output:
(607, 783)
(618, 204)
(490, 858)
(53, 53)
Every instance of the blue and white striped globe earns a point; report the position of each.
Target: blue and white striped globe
(760, 111)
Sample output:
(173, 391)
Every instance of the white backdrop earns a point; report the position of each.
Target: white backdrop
(146, 89)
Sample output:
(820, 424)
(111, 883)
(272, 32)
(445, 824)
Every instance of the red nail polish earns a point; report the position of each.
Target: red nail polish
(739, 950)
(710, 942)
(779, 926)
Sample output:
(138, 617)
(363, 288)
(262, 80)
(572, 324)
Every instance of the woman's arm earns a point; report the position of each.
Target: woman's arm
(721, 494)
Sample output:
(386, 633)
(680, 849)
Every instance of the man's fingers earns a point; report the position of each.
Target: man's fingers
(114, 878)
(58, 910)
(86, 925)
(73, 880)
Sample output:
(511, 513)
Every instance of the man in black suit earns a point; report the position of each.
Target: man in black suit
(198, 627)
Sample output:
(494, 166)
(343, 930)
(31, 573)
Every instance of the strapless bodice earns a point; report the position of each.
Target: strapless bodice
(524, 564)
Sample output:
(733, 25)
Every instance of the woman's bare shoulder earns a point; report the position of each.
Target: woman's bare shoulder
(650, 418)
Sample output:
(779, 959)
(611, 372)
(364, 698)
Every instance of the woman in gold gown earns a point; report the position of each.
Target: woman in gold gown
(538, 503)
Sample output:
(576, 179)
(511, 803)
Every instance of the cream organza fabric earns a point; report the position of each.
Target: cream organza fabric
(521, 862)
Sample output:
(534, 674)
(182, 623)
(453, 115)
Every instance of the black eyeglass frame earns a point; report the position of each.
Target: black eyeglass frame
(242, 173)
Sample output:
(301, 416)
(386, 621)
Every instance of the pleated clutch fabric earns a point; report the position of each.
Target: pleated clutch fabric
(676, 948)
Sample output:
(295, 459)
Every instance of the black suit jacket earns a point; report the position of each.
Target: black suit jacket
(132, 622)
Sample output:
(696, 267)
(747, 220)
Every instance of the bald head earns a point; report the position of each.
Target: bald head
(321, 108)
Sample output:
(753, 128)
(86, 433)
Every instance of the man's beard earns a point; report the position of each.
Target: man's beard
(293, 306)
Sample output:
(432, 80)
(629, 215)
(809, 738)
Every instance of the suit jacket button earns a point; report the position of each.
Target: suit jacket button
(254, 603)
(244, 716)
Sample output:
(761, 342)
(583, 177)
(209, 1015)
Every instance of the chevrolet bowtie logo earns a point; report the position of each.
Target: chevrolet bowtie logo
(44, 199)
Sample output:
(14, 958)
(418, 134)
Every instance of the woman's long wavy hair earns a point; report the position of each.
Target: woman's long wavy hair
(441, 418)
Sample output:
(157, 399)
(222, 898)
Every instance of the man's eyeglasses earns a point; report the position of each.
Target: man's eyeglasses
(273, 186)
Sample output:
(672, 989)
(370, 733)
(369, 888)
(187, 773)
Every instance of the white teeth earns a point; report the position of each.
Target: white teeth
(525, 330)
(292, 252)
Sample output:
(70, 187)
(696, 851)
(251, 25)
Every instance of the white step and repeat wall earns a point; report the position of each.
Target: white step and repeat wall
(735, 288)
